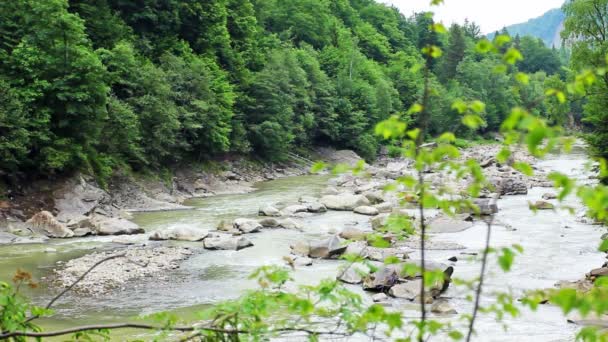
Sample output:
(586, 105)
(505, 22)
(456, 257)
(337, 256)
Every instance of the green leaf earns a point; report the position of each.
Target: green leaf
(505, 260)
(603, 246)
(455, 335)
(318, 167)
(524, 168)
(522, 78)
(512, 56)
(484, 46)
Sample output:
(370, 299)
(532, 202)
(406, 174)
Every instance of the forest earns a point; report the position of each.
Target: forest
(104, 85)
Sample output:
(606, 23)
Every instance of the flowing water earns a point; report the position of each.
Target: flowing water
(556, 248)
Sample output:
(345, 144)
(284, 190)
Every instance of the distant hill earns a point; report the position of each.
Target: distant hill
(546, 27)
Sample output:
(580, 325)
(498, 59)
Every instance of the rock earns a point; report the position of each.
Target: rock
(344, 201)
(247, 225)
(381, 280)
(510, 186)
(350, 233)
(443, 307)
(408, 290)
(180, 233)
(124, 241)
(80, 232)
(543, 205)
(330, 190)
(379, 221)
(351, 276)
(230, 175)
(315, 207)
(225, 226)
(307, 199)
(487, 206)
(269, 222)
(599, 272)
(549, 196)
(290, 224)
(302, 261)
(226, 242)
(327, 248)
(447, 224)
(453, 259)
(374, 197)
(379, 297)
(77, 198)
(300, 248)
(487, 162)
(293, 209)
(384, 207)
(366, 210)
(270, 211)
(115, 226)
(381, 254)
(45, 223)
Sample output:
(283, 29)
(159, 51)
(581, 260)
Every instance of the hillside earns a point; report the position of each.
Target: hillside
(546, 27)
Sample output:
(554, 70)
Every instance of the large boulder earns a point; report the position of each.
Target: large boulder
(361, 249)
(76, 198)
(247, 225)
(315, 207)
(487, 206)
(381, 280)
(374, 197)
(510, 185)
(351, 233)
(270, 211)
(290, 224)
(447, 224)
(294, 209)
(226, 242)
(269, 222)
(300, 248)
(325, 249)
(411, 289)
(180, 233)
(353, 274)
(379, 221)
(115, 226)
(45, 223)
(366, 210)
(344, 201)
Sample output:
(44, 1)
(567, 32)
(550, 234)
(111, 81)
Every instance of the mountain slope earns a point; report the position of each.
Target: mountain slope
(546, 27)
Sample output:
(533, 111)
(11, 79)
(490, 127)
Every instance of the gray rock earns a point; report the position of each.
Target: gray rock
(543, 205)
(379, 297)
(379, 221)
(381, 280)
(307, 199)
(44, 222)
(269, 222)
(487, 206)
(247, 225)
(180, 233)
(374, 197)
(351, 233)
(549, 196)
(344, 201)
(327, 248)
(290, 224)
(226, 242)
(510, 185)
(446, 224)
(80, 232)
(443, 307)
(115, 226)
(293, 209)
(352, 275)
(366, 210)
(384, 207)
(315, 207)
(300, 248)
(270, 211)
(408, 290)
(302, 261)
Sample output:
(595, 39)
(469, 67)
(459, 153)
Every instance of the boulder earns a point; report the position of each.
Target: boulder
(366, 210)
(293, 209)
(344, 201)
(80, 232)
(408, 290)
(379, 297)
(351, 233)
(44, 222)
(543, 205)
(315, 207)
(302, 261)
(549, 196)
(307, 199)
(384, 207)
(352, 275)
(443, 307)
(487, 206)
(325, 249)
(180, 233)
(447, 224)
(226, 242)
(510, 185)
(269, 222)
(300, 248)
(269, 211)
(115, 226)
(381, 280)
(247, 225)
(290, 224)
(374, 197)
(379, 221)
(598, 272)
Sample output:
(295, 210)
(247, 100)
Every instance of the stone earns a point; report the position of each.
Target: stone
(302, 261)
(351, 275)
(344, 201)
(487, 162)
(379, 221)
(300, 248)
(510, 185)
(408, 290)
(599, 272)
(307, 199)
(543, 205)
(293, 209)
(290, 224)
(225, 226)
(351, 233)
(45, 223)
(330, 190)
(384, 207)
(379, 297)
(180, 233)
(270, 211)
(325, 249)
(487, 206)
(447, 224)
(315, 207)
(247, 225)
(226, 242)
(381, 280)
(269, 222)
(443, 307)
(453, 259)
(366, 210)
(115, 226)
(374, 197)
(80, 232)
(549, 196)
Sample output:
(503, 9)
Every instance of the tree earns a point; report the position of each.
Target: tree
(454, 54)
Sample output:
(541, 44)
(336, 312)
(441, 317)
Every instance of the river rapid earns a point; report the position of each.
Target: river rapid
(556, 247)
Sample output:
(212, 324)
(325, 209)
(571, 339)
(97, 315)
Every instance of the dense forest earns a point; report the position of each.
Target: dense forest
(112, 84)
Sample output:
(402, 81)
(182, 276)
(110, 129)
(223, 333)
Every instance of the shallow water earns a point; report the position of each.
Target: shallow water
(556, 248)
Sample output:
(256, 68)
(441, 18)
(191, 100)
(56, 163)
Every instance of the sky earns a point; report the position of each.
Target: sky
(490, 15)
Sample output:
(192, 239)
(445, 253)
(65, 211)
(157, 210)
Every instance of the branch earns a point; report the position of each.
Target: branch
(484, 263)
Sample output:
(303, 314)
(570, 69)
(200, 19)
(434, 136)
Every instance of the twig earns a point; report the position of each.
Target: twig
(478, 291)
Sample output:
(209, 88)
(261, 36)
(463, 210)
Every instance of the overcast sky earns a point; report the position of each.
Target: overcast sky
(491, 15)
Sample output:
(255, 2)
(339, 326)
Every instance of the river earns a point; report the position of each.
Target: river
(556, 247)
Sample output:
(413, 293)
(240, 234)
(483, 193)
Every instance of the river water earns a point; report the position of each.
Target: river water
(556, 247)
